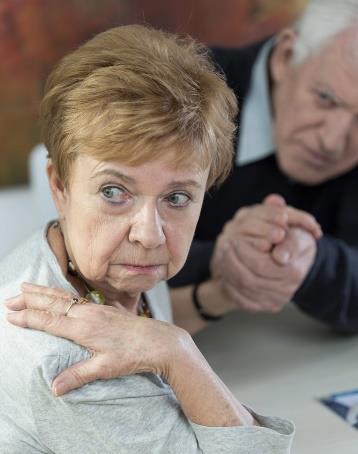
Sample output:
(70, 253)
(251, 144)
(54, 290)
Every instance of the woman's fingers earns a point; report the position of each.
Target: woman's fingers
(51, 323)
(80, 374)
(39, 302)
(48, 291)
(99, 367)
(44, 301)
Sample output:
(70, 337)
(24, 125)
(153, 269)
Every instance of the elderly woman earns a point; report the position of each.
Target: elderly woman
(137, 124)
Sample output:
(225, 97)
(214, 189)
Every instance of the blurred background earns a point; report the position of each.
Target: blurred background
(34, 34)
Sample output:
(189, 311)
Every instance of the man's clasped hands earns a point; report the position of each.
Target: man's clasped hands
(264, 254)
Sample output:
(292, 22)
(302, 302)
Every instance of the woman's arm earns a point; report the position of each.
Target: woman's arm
(124, 344)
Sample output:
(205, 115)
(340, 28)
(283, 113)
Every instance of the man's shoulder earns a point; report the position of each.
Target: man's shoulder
(237, 63)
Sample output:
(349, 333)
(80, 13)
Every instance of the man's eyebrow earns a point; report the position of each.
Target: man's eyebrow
(114, 173)
(337, 99)
(320, 87)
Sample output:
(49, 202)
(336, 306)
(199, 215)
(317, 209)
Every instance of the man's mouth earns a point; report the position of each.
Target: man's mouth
(318, 158)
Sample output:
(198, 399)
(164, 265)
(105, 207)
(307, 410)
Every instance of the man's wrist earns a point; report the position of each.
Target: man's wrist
(213, 299)
(203, 313)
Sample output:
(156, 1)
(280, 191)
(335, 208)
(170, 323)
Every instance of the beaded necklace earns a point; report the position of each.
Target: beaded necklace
(96, 296)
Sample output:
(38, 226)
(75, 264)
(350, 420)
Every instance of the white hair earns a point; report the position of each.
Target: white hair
(321, 21)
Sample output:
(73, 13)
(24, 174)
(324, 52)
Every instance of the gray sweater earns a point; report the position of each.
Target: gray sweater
(134, 414)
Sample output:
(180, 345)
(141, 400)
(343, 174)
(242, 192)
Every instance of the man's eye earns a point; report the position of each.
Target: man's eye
(325, 99)
(114, 194)
(178, 199)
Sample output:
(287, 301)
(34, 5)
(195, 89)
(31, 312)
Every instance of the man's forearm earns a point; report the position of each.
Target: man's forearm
(211, 297)
(330, 290)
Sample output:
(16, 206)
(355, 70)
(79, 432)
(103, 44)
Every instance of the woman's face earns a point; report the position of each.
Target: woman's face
(128, 227)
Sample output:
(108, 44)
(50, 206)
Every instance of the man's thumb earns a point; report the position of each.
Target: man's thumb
(274, 199)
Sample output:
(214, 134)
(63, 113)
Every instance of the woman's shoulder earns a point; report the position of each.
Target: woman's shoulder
(20, 259)
(32, 261)
(35, 358)
(24, 350)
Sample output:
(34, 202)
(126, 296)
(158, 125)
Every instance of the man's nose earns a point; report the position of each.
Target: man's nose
(335, 133)
(147, 227)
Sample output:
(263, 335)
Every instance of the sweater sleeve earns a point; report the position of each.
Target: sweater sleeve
(137, 414)
(330, 290)
(273, 436)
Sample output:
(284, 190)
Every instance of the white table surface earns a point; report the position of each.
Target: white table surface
(280, 365)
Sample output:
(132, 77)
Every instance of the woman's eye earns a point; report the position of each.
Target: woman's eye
(178, 199)
(114, 194)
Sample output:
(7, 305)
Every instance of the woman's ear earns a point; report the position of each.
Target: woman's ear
(281, 56)
(58, 190)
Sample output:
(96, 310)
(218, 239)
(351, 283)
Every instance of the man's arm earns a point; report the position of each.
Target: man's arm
(247, 271)
(330, 290)
(212, 297)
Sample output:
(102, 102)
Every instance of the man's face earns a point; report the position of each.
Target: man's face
(315, 108)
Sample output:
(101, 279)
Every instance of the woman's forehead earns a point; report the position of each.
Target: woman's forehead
(163, 170)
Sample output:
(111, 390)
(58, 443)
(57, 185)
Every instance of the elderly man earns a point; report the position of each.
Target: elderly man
(297, 151)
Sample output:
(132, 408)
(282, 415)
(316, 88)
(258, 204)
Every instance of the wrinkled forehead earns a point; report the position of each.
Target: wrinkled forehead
(341, 48)
(334, 68)
(174, 156)
(87, 166)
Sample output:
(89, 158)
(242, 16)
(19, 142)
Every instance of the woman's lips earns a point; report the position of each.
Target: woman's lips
(141, 269)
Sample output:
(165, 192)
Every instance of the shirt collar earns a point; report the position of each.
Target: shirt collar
(255, 128)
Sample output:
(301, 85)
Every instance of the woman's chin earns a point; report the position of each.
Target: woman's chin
(136, 284)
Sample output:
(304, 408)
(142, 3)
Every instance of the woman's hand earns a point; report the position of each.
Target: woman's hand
(120, 342)
(124, 344)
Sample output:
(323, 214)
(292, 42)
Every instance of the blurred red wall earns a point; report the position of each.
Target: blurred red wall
(34, 34)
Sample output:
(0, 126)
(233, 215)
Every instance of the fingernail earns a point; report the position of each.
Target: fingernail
(13, 303)
(58, 389)
(11, 316)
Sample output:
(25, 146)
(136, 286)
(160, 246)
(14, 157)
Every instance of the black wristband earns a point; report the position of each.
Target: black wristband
(205, 316)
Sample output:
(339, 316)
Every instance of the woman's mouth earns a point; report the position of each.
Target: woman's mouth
(141, 269)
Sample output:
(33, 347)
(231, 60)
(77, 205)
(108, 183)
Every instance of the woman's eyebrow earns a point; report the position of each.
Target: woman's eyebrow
(114, 173)
(130, 180)
(185, 183)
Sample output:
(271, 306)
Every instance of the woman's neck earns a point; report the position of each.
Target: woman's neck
(58, 247)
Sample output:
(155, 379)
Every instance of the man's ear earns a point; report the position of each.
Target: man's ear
(281, 55)
(57, 188)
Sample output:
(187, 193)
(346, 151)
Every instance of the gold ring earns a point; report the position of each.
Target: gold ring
(73, 301)
(82, 300)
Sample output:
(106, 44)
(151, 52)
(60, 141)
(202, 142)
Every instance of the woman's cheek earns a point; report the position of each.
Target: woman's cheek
(178, 250)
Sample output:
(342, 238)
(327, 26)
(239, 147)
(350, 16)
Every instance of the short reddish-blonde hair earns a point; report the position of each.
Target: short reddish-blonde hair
(131, 94)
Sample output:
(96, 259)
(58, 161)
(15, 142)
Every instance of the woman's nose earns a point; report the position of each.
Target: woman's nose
(147, 228)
